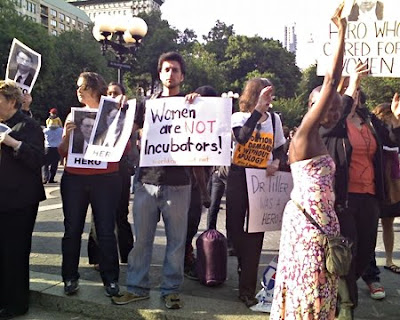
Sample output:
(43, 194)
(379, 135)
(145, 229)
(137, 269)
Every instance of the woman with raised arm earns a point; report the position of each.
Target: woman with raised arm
(303, 287)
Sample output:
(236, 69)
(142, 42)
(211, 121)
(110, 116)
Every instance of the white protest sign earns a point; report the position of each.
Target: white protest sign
(267, 199)
(84, 119)
(176, 133)
(111, 131)
(372, 36)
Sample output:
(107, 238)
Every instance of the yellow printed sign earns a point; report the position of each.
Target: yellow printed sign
(255, 153)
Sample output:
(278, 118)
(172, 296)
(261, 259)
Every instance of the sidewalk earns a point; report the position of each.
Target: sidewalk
(200, 302)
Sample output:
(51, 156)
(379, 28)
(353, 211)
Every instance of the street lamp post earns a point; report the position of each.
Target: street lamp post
(120, 34)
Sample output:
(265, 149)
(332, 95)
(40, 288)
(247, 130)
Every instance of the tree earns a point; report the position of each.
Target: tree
(217, 39)
(245, 55)
(309, 81)
(202, 69)
(379, 90)
(75, 52)
(292, 110)
(160, 38)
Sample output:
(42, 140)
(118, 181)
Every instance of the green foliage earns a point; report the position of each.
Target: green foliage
(292, 110)
(379, 90)
(202, 69)
(246, 55)
(309, 81)
(217, 39)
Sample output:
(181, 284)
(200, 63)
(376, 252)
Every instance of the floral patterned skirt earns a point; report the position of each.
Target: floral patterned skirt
(303, 287)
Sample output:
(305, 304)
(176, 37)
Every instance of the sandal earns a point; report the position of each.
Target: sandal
(393, 268)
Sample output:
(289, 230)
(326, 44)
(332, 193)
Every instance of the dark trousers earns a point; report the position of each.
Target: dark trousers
(52, 157)
(123, 228)
(194, 214)
(247, 245)
(16, 227)
(217, 190)
(359, 223)
(371, 274)
(102, 192)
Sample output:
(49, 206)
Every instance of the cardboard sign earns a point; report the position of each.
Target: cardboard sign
(256, 152)
(267, 199)
(372, 36)
(176, 133)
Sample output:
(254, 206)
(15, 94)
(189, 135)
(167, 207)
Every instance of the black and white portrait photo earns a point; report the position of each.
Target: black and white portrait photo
(366, 10)
(84, 121)
(23, 65)
(112, 129)
(110, 125)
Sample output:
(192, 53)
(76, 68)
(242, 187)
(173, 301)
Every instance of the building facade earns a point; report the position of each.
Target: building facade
(290, 41)
(55, 15)
(129, 8)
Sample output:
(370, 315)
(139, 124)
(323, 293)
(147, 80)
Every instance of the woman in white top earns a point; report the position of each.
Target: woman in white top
(256, 145)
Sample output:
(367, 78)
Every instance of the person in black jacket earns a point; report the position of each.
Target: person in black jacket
(356, 145)
(21, 190)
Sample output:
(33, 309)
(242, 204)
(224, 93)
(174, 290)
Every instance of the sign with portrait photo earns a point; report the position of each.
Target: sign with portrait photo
(84, 119)
(372, 36)
(4, 128)
(23, 65)
(176, 133)
(112, 130)
(267, 199)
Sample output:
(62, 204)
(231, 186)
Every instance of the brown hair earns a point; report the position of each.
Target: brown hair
(95, 82)
(383, 112)
(11, 91)
(248, 99)
(171, 56)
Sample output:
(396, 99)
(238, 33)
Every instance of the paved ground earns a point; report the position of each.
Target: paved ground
(201, 302)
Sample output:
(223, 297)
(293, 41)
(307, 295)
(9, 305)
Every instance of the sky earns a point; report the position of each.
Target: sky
(265, 18)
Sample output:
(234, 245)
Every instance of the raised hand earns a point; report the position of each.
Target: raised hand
(337, 19)
(69, 127)
(395, 106)
(264, 99)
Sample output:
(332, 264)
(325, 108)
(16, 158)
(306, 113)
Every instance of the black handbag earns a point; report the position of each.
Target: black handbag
(337, 249)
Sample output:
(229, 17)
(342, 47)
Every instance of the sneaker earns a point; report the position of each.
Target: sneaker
(173, 301)
(376, 290)
(71, 287)
(191, 273)
(127, 297)
(112, 289)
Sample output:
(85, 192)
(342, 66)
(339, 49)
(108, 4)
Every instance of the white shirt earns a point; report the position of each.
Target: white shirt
(239, 119)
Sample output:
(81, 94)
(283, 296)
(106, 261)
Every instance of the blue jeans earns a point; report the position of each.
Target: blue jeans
(103, 192)
(149, 201)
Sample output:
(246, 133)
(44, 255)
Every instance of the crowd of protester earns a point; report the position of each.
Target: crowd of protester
(344, 162)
